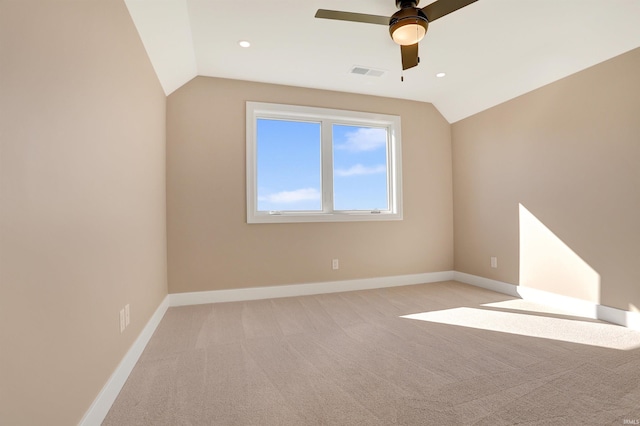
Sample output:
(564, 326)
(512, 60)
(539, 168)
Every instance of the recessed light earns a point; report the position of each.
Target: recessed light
(441, 74)
(244, 43)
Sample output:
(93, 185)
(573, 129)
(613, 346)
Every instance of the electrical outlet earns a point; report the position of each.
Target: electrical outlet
(127, 317)
(494, 262)
(122, 322)
(335, 264)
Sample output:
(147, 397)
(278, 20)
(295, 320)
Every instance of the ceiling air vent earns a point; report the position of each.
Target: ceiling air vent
(367, 71)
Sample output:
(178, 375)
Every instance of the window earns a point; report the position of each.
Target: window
(317, 165)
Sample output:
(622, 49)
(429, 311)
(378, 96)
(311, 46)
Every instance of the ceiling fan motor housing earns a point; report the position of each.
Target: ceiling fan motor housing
(401, 4)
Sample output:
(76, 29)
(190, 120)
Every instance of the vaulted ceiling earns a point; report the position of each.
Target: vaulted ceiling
(491, 50)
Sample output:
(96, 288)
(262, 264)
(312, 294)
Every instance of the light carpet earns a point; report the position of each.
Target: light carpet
(433, 354)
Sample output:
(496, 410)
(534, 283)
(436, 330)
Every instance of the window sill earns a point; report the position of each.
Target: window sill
(323, 217)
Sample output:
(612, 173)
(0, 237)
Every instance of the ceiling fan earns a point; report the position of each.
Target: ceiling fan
(407, 26)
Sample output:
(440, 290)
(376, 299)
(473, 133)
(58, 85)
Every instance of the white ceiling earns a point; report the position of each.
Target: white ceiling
(491, 50)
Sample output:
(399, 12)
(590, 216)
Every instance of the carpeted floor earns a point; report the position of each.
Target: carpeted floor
(433, 354)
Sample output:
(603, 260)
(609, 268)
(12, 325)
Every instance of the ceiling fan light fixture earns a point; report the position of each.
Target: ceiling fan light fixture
(408, 26)
(410, 33)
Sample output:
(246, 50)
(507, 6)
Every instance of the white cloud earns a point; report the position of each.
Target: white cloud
(364, 139)
(359, 170)
(303, 194)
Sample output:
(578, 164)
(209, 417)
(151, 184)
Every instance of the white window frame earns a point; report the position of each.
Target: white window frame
(327, 118)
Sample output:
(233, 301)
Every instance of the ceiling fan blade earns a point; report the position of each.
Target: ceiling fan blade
(439, 8)
(409, 56)
(353, 17)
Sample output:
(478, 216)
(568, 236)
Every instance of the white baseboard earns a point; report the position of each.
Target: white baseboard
(489, 284)
(96, 414)
(578, 307)
(256, 293)
(618, 316)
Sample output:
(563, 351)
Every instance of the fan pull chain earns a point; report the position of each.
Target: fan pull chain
(417, 34)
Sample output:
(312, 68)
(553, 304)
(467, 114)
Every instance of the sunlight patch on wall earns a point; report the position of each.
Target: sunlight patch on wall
(547, 263)
(535, 325)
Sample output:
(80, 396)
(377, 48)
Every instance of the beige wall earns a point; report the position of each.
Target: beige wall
(569, 153)
(210, 245)
(82, 202)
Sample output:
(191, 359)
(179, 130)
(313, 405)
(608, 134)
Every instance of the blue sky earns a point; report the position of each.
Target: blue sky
(289, 169)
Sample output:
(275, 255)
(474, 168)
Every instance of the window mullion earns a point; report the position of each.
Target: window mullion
(327, 166)
(395, 158)
(390, 170)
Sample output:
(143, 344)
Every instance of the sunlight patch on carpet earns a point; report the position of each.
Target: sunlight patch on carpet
(536, 325)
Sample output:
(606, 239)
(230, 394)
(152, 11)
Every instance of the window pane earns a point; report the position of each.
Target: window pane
(288, 165)
(360, 168)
